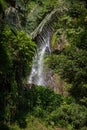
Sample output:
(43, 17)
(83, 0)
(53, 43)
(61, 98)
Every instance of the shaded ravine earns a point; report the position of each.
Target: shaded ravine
(37, 75)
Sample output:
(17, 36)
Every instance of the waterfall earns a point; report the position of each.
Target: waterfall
(37, 75)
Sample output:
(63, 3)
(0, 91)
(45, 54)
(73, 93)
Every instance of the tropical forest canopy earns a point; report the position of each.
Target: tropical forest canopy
(22, 107)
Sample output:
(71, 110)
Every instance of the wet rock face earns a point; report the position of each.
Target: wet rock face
(12, 16)
(54, 82)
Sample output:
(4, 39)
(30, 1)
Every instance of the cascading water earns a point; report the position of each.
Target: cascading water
(37, 75)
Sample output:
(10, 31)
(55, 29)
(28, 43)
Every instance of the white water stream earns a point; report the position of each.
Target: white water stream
(37, 75)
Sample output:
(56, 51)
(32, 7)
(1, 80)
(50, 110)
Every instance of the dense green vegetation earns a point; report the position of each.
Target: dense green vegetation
(20, 106)
(16, 53)
(71, 64)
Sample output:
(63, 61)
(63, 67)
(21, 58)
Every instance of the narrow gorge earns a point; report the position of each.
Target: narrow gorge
(38, 74)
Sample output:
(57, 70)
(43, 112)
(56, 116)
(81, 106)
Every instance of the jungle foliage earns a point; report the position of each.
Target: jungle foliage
(71, 64)
(16, 52)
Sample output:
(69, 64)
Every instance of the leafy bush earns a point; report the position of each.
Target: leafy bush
(55, 109)
(16, 53)
(44, 98)
(73, 114)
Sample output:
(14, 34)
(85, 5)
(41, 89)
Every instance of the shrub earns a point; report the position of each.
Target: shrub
(72, 114)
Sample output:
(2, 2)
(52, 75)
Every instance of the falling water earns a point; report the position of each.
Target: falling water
(37, 75)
